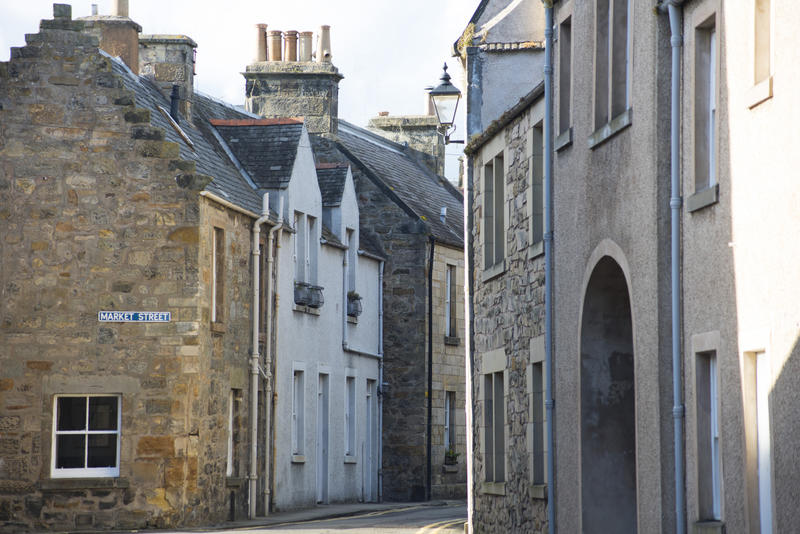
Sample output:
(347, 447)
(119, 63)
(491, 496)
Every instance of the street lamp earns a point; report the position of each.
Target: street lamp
(445, 97)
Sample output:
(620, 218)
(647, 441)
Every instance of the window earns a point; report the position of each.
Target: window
(449, 420)
(537, 184)
(312, 244)
(494, 421)
(298, 409)
(352, 256)
(86, 436)
(564, 75)
(758, 440)
(612, 60)
(705, 106)
(234, 403)
(350, 416)
(450, 302)
(493, 212)
(217, 274)
(763, 40)
(537, 423)
(300, 247)
(708, 455)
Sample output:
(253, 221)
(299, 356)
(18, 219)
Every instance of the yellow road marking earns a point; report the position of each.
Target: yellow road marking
(321, 520)
(438, 526)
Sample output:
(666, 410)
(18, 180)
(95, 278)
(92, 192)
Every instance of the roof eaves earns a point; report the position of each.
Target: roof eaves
(501, 122)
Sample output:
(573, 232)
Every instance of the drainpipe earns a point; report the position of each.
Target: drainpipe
(380, 384)
(268, 355)
(345, 265)
(474, 84)
(548, 261)
(429, 480)
(678, 411)
(270, 461)
(254, 367)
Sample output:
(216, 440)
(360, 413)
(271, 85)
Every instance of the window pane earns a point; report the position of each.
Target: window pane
(71, 450)
(71, 413)
(103, 413)
(102, 450)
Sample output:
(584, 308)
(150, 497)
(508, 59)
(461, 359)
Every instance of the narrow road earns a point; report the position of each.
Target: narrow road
(447, 519)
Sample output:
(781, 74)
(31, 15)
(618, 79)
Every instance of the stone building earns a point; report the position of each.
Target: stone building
(704, 442)
(415, 218)
(142, 343)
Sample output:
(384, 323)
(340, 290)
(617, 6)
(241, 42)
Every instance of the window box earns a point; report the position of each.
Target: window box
(450, 457)
(354, 307)
(301, 293)
(315, 297)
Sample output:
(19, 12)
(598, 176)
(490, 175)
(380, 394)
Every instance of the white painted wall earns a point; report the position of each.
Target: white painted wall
(314, 342)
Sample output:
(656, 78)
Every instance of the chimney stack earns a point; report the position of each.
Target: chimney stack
(324, 47)
(120, 8)
(275, 45)
(305, 46)
(290, 42)
(292, 84)
(169, 60)
(261, 43)
(118, 34)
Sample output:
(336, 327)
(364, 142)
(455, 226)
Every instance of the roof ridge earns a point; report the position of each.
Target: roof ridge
(284, 121)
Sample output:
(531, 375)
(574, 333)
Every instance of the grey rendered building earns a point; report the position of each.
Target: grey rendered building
(618, 400)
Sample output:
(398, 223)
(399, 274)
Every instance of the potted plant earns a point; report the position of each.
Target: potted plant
(353, 304)
(450, 456)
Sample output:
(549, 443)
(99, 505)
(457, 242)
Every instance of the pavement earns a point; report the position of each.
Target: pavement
(322, 511)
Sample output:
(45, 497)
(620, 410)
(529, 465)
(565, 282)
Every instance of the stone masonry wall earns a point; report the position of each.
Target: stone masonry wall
(276, 89)
(509, 312)
(449, 481)
(93, 217)
(405, 246)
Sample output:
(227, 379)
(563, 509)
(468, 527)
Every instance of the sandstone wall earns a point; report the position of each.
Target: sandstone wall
(92, 218)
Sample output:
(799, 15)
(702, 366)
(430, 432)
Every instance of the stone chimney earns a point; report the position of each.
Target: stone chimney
(169, 60)
(117, 33)
(419, 132)
(293, 84)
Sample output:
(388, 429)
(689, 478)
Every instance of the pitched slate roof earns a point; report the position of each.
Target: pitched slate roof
(415, 188)
(209, 156)
(331, 178)
(266, 148)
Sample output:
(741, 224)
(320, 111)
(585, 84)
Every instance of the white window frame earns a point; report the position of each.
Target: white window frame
(85, 472)
(312, 249)
(298, 410)
(350, 416)
(229, 463)
(450, 311)
(605, 80)
(494, 212)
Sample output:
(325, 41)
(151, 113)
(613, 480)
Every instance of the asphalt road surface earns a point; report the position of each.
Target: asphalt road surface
(447, 519)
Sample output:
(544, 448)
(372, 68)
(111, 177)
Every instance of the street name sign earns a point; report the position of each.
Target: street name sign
(133, 317)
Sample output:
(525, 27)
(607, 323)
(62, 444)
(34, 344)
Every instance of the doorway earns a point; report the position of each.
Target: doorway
(608, 405)
(322, 438)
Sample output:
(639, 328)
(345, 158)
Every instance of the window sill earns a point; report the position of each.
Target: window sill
(563, 140)
(298, 459)
(352, 320)
(760, 92)
(234, 482)
(217, 327)
(708, 527)
(539, 491)
(306, 309)
(610, 129)
(535, 250)
(702, 199)
(495, 270)
(62, 484)
(493, 488)
(348, 459)
(453, 341)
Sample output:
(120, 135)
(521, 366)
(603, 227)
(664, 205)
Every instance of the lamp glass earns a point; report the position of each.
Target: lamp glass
(445, 106)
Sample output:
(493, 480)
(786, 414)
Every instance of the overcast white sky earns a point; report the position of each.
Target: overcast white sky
(387, 50)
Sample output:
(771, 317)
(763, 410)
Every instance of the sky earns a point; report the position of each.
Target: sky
(388, 51)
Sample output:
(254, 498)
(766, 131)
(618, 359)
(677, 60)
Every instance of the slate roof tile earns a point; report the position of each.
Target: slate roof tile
(331, 178)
